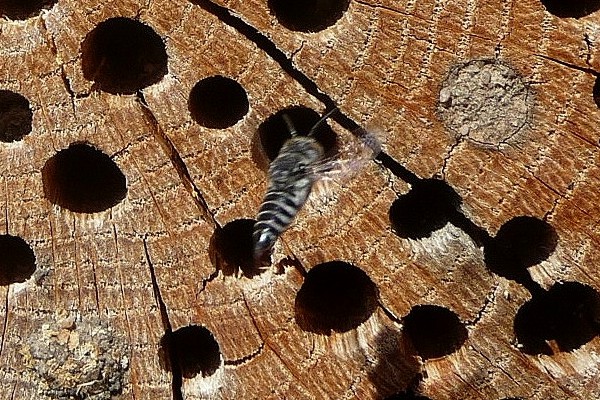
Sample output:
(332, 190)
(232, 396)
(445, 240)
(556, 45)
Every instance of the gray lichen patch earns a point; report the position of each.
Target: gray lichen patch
(69, 358)
(485, 101)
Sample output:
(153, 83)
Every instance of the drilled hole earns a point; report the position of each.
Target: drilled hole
(83, 179)
(273, 132)
(571, 8)
(232, 249)
(531, 240)
(122, 56)
(17, 261)
(217, 102)
(562, 319)
(520, 243)
(15, 116)
(193, 348)
(308, 15)
(485, 101)
(409, 395)
(596, 91)
(23, 9)
(335, 296)
(434, 331)
(425, 208)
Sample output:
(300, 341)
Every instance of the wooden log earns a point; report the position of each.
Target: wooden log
(458, 265)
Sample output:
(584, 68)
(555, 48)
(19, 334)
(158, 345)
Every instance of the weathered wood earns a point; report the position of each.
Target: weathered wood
(150, 266)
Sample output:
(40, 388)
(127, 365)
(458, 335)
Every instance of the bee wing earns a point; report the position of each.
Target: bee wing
(351, 158)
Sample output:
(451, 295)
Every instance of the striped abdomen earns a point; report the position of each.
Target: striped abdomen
(290, 183)
(277, 213)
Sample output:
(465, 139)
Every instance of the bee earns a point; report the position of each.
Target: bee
(292, 175)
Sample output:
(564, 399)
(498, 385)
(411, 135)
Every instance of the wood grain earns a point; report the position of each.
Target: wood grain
(144, 267)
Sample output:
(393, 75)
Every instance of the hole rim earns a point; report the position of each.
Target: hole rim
(582, 9)
(192, 359)
(123, 74)
(18, 262)
(520, 243)
(21, 10)
(217, 113)
(273, 132)
(308, 16)
(318, 307)
(423, 325)
(16, 116)
(231, 249)
(73, 186)
(538, 321)
(427, 207)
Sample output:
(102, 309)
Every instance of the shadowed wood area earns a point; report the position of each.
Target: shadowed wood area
(462, 263)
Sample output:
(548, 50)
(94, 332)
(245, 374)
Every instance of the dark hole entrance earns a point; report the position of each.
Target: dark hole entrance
(529, 239)
(217, 102)
(194, 350)
(17, 261)
(231, 248)
(123, 56)
(15, 116)
(571, 8)
(308, 15)
(427, 207)
(83, 179)
(434, 331)
(23, 9)
(273, 132)
(519, 244)
(335, 296)
(596, 91)
(568, 315)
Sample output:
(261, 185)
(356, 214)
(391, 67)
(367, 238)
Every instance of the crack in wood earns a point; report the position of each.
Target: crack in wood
(266, 343)
(467, 383)
(177, 162)
(477, 234)
(123, 296)
(6, 215)
(568, 64)
(156, 289)
(75, 261)
(3, 338)
(588, 44)
(459, 140)
(176, 373)
(572, 395)
(496, 365)
(392, 10)
(63, 75)
(391, 316)
(490, 299)
(96, 294)
(245, 359)
(206, 281)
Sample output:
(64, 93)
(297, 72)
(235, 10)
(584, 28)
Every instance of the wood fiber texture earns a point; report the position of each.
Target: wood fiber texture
(112, 289)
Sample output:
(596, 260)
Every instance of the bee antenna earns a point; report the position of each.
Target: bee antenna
(321, 120)
(289, 124)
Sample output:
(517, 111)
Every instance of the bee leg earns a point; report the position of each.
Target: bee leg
(290, 125)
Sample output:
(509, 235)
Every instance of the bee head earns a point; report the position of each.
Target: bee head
(306, 148)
